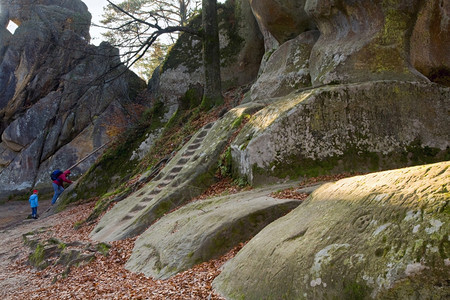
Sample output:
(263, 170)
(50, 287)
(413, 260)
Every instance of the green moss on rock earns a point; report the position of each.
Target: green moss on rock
(37, 258)
(353, 160)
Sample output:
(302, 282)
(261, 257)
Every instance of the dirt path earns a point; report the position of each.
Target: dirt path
(14, 213)
(13, 224)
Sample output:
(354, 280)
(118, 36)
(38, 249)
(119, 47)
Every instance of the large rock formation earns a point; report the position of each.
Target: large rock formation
(367, 126)
(57, 93)
(355, 102)
(379, 236)
(289, 35)
(363, 40)
(359, 42)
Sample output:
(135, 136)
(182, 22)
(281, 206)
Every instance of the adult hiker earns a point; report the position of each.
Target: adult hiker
(58, 186)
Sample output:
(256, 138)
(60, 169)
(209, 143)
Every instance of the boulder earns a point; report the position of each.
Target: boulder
(189, 173)
(363, 40)
(379, 236)
(354, 127)
(203, 230)
(287, 69)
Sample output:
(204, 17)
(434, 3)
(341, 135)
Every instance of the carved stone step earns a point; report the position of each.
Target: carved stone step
(175, 170)
(194, 146)
(170, 177)
(188, 153)
(202, 134)
(138, 207)
(147, 199)
(154, 192)
(182, 161)
(160, 175)
(163, 183)
(127, 217)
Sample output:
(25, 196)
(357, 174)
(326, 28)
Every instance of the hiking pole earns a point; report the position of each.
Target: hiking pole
(89, 155)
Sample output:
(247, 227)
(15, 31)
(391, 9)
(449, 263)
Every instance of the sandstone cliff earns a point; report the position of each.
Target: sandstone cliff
(57, 93)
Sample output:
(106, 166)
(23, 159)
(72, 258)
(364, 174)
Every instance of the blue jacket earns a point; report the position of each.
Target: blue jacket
(34, 200)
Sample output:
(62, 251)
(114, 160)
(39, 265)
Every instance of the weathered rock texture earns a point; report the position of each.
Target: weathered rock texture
(48, 252)
(58, 94)
(204, 230)
(367, 126)
(284, 19)
(430, 41)
(186, 176)
(379, 236)
(287, 69)
(363, 40)
(241, 46)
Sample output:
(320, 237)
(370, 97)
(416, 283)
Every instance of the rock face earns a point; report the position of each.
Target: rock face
(186, 176)
(204, 230)
(57, 93)
(241, 46)
(367, 126)
(430, 41)
(379, 236)
(284, 19)
(287, 69)
(359, 41)
(363, 40)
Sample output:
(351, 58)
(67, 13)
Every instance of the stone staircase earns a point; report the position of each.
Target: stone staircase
(169, 179)
(156, 193)
(188, 174)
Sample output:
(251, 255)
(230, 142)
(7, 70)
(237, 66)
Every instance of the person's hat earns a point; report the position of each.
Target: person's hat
(35, 191)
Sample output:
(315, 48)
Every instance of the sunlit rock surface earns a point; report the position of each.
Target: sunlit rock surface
(205, 229)
(360, 127)
(379, 236)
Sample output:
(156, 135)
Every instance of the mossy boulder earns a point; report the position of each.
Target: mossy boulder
(380, 236)
(203, 230)
(47, 252)
(355, 127)
(187, 175)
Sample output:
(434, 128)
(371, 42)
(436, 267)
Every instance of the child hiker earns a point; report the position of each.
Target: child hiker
(34, 204)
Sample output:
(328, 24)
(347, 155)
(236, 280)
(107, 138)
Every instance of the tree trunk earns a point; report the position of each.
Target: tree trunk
(211, 56)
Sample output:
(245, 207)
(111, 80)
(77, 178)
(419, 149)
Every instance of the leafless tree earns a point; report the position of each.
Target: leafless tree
(136, 25)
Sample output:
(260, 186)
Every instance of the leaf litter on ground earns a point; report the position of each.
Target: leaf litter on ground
(106, 277)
